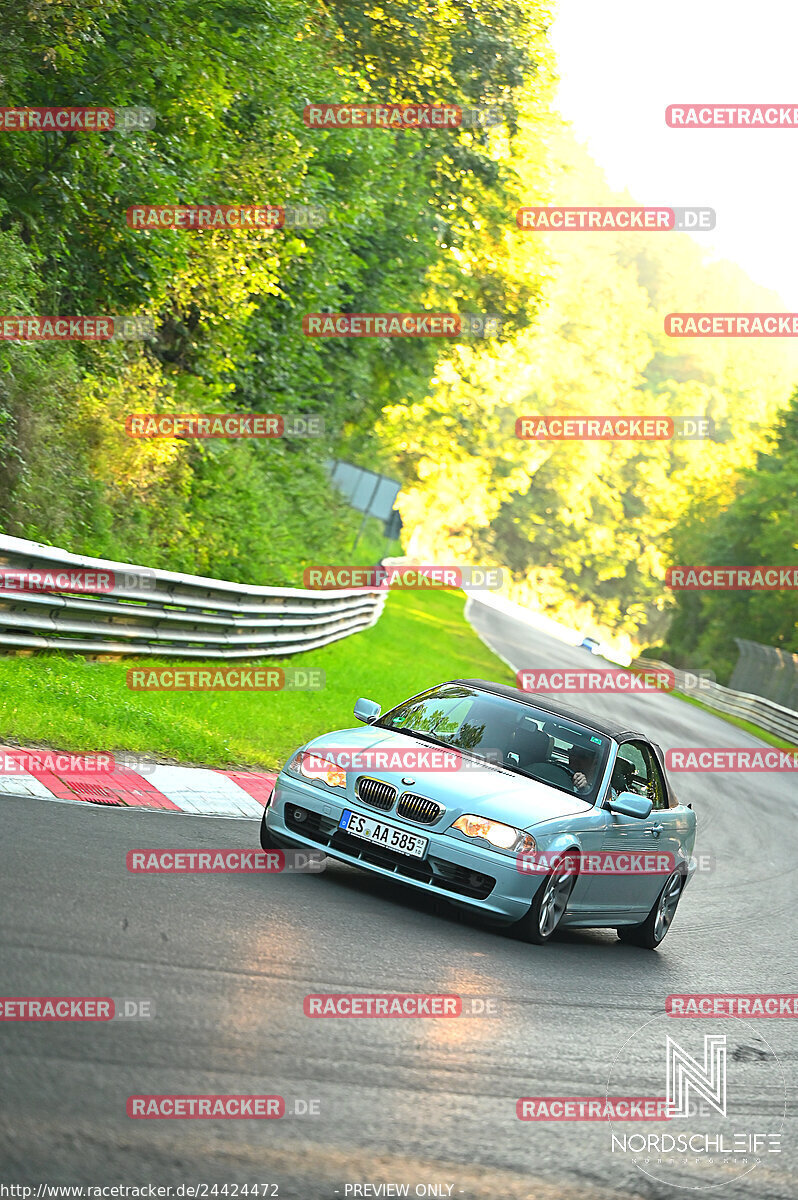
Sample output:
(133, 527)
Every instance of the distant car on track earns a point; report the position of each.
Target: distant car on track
(545, 818)
(589, 643)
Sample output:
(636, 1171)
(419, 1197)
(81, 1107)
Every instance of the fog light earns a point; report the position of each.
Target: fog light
(300, 815)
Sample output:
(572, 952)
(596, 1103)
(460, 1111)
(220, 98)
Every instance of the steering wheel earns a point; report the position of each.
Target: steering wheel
(546, 768)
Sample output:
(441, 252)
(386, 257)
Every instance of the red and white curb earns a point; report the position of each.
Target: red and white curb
(196, 790)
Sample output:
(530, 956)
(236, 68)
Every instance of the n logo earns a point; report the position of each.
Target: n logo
(707, 1081)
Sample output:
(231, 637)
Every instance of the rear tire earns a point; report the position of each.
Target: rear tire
(551, 900)
(649, 933)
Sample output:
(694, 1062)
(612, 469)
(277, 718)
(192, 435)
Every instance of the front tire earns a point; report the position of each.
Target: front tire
(649, 933)
(551, 900)
(267, 842)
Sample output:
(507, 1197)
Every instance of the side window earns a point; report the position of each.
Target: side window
(656, 785)
(638, 767)
(631, 772)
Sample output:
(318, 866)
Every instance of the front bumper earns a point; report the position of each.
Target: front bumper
(473, 877)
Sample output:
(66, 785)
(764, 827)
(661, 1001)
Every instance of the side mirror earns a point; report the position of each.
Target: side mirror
(630, 805)
(367, 710)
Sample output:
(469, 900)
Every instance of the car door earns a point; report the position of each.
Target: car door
(671, 830)
(626, 892)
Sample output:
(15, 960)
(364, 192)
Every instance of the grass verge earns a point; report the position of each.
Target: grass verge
(68, 702)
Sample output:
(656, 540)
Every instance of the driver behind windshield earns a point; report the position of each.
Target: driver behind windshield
(583, 763)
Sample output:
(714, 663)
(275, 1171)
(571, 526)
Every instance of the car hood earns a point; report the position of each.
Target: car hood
(482, 790)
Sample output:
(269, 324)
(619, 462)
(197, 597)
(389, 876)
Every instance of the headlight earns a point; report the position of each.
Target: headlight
(504, 837)
(316, 769)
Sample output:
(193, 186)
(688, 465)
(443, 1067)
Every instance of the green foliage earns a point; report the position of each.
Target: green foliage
(411, 215)
(417, 219)
(586, 528)
(759, 527)
(37, 462)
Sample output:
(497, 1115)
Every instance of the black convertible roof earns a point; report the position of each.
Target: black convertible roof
(534, 699)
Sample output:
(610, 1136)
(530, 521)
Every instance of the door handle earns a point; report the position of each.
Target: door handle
(656, 830)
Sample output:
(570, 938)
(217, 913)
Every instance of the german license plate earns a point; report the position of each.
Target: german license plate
(388, 836)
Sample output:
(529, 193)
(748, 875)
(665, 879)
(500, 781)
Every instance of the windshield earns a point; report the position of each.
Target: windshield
(516, 736)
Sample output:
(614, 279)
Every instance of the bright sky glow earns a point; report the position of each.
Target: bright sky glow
(622, 62)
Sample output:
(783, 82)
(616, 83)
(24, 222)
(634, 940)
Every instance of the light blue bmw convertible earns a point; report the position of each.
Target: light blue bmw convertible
(499, 801)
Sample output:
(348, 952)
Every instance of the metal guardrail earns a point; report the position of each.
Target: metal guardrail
(765, 713)
(180, 616)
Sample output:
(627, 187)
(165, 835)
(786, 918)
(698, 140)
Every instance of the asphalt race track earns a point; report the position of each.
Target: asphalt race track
(227, 960)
